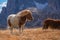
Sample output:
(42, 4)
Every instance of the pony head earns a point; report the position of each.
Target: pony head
(27, 14)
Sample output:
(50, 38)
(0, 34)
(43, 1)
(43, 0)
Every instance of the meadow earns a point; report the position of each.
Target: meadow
(31, 34)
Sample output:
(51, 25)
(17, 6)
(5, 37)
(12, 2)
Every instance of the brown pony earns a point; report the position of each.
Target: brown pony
(54, 24)
(19, 19)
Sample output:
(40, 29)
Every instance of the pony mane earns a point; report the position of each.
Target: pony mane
(24, 12)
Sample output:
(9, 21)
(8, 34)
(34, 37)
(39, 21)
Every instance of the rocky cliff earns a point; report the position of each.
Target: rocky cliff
(54, 8)
(42, 9)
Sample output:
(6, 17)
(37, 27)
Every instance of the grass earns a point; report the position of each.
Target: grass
(31, 34)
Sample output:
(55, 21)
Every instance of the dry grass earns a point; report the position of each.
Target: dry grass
(31, 34)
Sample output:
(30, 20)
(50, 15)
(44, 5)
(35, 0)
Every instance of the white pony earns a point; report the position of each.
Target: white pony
(19, 19)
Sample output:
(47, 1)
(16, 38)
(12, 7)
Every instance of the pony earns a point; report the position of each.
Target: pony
(52, 23)
(19, 20)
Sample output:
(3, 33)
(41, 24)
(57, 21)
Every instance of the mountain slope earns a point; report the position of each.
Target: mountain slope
(42, 9)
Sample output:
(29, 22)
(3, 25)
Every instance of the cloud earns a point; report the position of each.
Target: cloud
(40, 6)
(0, 10)
(3, 4)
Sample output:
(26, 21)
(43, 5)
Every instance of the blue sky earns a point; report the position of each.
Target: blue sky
(2, 4)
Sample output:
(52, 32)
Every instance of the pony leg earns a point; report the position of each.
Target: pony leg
(22, 28)
(19, 29)
(11, 30)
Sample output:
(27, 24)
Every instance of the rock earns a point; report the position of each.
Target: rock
(51, 10)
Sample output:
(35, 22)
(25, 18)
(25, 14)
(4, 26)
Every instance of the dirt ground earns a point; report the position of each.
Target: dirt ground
(30, 34)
